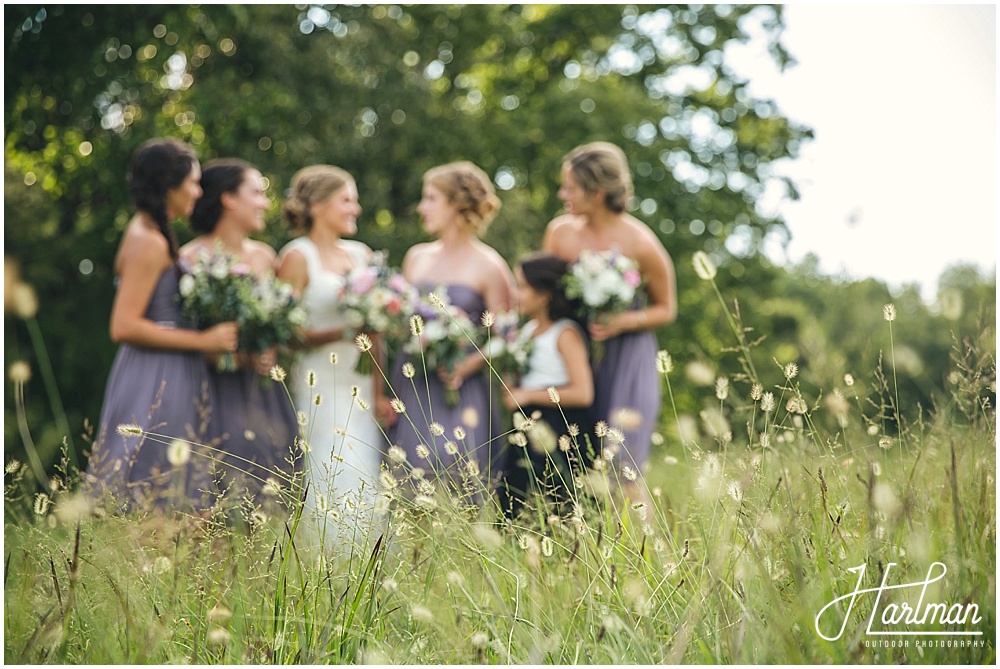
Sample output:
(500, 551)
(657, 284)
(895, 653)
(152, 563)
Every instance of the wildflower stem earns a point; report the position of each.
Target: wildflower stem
(736, 330)
(45, 366)
(673, 407)
(29, 444)
(895, 387)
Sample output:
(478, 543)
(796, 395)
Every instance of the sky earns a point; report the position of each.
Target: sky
(900, 181)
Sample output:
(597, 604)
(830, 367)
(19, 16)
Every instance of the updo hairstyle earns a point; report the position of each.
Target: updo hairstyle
(602, 166)
(311, 185)
(468, 188)
(217, 178)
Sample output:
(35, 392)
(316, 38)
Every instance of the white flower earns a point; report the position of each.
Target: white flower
(41, 504)
(186, 285)
(219, 271)
(19, 372)
(722, 388)
(219, 614)
(664, 363)
(889, 312)
(178, 453)
(703, 266)
(364, 342)
(422, 614)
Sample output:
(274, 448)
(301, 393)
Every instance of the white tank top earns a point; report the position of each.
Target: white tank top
(546, 366)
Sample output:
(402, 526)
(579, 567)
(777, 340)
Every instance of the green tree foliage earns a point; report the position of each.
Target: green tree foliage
(386, 92)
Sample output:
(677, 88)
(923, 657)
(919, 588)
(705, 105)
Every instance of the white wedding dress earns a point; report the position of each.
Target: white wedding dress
(344, 444)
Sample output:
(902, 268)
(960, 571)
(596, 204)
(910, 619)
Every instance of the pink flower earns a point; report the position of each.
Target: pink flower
(397, 283)
(362, 283)
(633, 278)
(240, 269)
(394, 306)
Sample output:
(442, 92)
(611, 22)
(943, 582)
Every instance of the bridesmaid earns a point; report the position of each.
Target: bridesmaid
(159, 381)
(345, 443)
(254, 415)
(457, 205)
(596, 187)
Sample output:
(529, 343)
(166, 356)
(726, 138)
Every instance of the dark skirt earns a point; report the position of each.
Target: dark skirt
(543, 471)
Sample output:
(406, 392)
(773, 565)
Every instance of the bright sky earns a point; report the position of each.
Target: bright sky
(900, 181)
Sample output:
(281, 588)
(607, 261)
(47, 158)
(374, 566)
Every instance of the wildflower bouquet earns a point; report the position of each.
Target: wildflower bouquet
(605, 282)
(509, 348)
(378, 299)
(442, 335)
(220, 289)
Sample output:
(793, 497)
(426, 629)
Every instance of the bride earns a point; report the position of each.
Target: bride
(343, 441)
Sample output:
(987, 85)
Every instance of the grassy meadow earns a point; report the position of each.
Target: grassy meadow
(755, 521)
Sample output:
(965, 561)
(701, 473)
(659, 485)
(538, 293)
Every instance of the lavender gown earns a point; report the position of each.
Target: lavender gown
(258, 427)
(627, 392)
(167, 393)
(477, 413)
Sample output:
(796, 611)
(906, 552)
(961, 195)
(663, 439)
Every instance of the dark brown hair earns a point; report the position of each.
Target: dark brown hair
(158, 166)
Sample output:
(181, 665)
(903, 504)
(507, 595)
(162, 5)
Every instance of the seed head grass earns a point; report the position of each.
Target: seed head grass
(752, 514)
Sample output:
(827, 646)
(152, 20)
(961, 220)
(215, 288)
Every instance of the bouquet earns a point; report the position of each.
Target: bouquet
(509, 348)
(442, 334)
(377, 299)
(220, 289)
(606, 283)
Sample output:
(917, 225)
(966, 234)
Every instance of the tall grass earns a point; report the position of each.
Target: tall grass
(752, 532)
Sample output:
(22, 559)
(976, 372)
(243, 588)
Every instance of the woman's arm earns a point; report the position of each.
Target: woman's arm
(143, 257)
(293, 270)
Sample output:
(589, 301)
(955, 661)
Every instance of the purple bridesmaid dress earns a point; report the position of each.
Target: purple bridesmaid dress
(168, 394)
(258, 426)
(477, 413)
(627, 393)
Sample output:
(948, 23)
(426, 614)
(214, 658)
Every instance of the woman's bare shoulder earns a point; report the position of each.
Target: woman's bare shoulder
(564, 224)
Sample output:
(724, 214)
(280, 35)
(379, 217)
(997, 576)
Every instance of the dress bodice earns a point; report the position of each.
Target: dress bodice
(322, 294)
(466, 298)
(546, 366)
(163, 306)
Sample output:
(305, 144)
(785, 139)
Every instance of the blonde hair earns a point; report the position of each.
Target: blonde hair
(469, 189)
(310, 185)
(602, 166)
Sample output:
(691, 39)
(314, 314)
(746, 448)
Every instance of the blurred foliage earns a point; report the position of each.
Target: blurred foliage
(386, 92)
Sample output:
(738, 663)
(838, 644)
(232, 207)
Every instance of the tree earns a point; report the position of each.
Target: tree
(385, 92)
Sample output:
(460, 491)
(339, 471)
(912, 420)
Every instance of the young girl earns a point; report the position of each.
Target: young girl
(558, 360)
